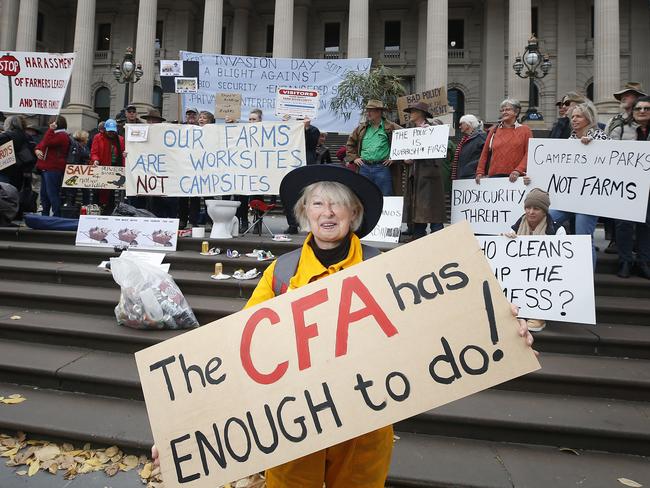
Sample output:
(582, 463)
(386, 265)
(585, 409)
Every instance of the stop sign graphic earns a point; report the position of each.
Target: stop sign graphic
(9, 65)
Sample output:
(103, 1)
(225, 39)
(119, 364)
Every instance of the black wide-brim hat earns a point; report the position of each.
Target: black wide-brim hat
(367, 192)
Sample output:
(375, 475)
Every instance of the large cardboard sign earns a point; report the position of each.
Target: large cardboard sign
(135, 232)
(490, 207)
(390, 223)
(417, 327)
(436, 98)
(34, 83)
(258, 79)
(604, 178)
(7, 155)
(548, 277)
(216, 159)
(89, 176)
(228, 105)
(297, 103)
(420, 143)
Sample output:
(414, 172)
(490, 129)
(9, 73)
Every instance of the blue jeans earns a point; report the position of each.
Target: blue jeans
(380, 176)
(585, 225)
(51, 192)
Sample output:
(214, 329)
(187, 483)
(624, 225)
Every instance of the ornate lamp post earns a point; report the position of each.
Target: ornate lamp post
(127, 72)
(534, 65)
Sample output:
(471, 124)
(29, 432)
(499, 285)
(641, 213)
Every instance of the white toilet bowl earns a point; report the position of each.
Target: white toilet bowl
(224, 223)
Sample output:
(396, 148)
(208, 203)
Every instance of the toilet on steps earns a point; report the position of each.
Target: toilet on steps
(224, 223)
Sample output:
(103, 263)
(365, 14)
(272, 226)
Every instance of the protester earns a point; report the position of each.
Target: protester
(339, 207)
(189, 207)
(107, 150)
(505, 152)
(562, 127)
(584, 124)
(424, 201)
(131, 113)
(14, 130)
(369, 147)
(468, 151)
(536, 221)
(82, 156)
(255, 116)
(120, 119)
(323, 155)
(627, 98)
(639, 126)
(153, 117)
(205, 117)
(51, 153)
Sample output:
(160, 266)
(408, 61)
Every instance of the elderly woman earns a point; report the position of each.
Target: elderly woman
(536, 221)
(205, 117)
(505, 152)
(468, 151)
(51, 153)
(424, 201)
(339, 207)
(637, 129)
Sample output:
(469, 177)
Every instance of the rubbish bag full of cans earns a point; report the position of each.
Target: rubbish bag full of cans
(149, 297)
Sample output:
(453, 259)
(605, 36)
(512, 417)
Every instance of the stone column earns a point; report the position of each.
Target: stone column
(494, 54)
(565, 64)
(519, 31)
(212, 26)
(8, 23)
(79, 111)
(240, 31)
(607, 57)
(144, 54)
(639, 42)
(420, 67)
(436, 52)
(27, 20)
(300, 22)
(283, 29)
(358, 29)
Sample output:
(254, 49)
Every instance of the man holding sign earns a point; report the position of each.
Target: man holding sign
(340, 448)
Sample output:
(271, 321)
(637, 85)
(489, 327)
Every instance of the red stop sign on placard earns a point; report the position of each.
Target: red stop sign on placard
(9, 65)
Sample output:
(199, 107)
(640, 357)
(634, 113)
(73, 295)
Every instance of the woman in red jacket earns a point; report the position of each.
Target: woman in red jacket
(107, 150)
(51, 153)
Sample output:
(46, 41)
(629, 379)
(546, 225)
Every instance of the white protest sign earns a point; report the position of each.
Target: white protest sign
(89, 176)
(137, 132)
(7, 155)
(258, 79)
(171, 67)
(297, 103)
(490, 207)
(402, 333)
(136, 232)
(604, 178)
(420, 143)
(216, 159)
(186, 85)
(549, 277)
(390, 223)
(34, 83)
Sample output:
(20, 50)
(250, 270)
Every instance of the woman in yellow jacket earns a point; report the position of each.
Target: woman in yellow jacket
(338, 206)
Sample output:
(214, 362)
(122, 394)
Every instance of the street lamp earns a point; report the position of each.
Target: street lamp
(534, 65)
(127, 72)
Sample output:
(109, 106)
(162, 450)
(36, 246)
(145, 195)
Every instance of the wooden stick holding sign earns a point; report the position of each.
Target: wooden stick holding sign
(412, 329)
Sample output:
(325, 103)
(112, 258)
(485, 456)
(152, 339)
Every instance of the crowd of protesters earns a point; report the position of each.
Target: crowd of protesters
(499, 151)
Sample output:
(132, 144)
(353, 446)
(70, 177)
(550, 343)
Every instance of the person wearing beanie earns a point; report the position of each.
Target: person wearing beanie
(536, 221)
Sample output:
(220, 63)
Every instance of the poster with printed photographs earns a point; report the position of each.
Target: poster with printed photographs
(132, 232)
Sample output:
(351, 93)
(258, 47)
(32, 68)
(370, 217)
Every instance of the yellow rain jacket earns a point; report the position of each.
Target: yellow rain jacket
(361, 462)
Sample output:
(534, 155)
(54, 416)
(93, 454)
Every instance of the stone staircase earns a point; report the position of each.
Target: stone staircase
(582, 420)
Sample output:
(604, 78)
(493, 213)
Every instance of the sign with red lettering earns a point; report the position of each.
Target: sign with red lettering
(34, 83)
(89, 176)
(412, 329)
(297, 103)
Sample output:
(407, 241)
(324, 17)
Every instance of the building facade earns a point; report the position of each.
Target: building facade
(595, 46)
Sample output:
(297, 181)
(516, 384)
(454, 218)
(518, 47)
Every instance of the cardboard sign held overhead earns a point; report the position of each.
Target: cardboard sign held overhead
(548, 277)
(407, 331)
(435, 98)
(604, 178)
(7, 155)
(227, 105)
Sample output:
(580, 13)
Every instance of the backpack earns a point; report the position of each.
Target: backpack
(287, 264)
(75, 151)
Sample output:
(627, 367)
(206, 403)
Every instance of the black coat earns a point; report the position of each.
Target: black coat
(469, 155)
(15, 171)
(312, 134)
(561, 129)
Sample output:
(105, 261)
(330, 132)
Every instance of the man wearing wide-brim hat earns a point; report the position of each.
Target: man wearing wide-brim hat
(153, 117)
(368, 147)
(628, 96)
